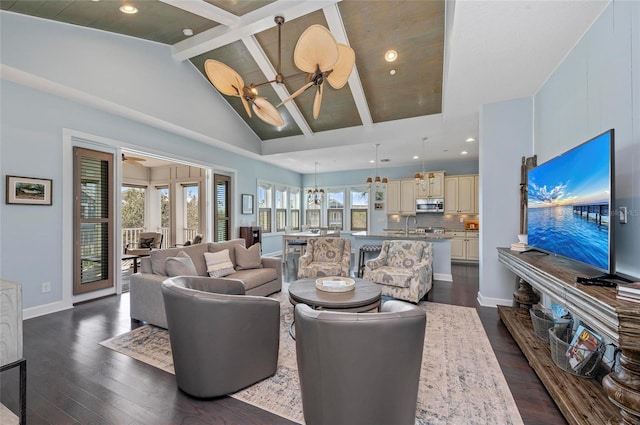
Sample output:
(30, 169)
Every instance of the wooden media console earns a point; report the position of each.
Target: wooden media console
(581, 400)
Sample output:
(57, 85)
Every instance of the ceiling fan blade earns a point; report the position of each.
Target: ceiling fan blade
(317, 101)
(224, 78)
(296, 93)
(316, 47)
(342, 69)
(267, 112)
(245, 103)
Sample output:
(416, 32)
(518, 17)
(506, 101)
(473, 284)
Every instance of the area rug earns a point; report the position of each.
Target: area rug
(460, 383)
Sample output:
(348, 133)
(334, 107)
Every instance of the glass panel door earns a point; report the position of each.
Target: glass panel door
(222, 213)
(93, 220)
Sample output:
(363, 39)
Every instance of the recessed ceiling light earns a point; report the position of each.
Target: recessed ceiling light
(372, 161)
(470, 139)
(390, 55)
(392, 72)
(188, 32)
(128, 9)
(464, 153)
(416, 157)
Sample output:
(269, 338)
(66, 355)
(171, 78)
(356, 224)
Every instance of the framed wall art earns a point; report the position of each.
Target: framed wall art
(28, 191)
(247, 203)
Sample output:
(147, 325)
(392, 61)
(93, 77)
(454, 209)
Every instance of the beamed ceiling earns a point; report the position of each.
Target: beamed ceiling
(482, 59)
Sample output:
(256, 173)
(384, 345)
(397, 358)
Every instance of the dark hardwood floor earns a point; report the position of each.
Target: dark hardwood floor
(73, 380)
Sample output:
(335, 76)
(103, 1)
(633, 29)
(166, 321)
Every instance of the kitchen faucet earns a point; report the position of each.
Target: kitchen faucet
(406, 223)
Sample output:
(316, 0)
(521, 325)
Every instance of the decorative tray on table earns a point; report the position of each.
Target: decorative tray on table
(335, 284)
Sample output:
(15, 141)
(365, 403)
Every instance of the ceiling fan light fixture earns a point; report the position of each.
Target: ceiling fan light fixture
(317, 54)
(128, 9)
(390, 55)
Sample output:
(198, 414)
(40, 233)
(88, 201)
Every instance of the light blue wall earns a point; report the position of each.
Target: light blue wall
(507, 128)
(596, 88)
(31, 145)
(359, 177)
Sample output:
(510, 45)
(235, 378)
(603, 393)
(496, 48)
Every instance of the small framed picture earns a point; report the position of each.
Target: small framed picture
(379, 206)
(379, 196)
(28, 191)
(247, 203)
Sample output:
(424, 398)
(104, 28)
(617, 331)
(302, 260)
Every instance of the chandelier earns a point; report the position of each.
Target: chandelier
(317, 54)
(423, 179)
(315, 196)
(377, 180)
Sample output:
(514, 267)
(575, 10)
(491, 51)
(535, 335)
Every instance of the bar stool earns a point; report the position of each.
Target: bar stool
(363, 250)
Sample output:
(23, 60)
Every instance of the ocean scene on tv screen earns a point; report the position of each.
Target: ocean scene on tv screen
(568, 206)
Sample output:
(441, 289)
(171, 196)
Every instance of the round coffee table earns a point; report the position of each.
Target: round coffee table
(365, 297)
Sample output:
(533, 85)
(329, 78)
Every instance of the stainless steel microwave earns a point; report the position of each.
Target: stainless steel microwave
(434, 205)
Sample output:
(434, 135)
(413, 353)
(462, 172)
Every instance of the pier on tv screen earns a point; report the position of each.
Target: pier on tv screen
(569, 200)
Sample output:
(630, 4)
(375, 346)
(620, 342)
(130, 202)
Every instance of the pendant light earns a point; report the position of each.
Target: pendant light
(377, 180)
(423, 179)
(315, 196)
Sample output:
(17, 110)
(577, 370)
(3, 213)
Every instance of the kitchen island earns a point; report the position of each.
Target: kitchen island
(441, 247)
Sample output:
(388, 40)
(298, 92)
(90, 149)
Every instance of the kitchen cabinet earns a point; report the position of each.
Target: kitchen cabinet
(401, 197)
(476, 181)
(465, 245)
(435, 187)
(460, 194)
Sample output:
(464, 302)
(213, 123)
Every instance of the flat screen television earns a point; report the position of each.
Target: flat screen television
(569, 202)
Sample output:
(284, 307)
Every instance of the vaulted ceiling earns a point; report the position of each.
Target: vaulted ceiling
(452, 57)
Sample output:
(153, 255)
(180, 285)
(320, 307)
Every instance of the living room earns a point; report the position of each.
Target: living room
(48, 109)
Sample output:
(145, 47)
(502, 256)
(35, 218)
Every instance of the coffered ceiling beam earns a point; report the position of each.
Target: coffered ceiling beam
(206, 10)
(336, 26)
(267, 69)
(252, 23)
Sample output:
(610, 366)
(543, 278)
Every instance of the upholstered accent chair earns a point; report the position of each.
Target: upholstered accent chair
(325, 256)
(146, 242)
(221, 340)
(356, 384)
(403, 269)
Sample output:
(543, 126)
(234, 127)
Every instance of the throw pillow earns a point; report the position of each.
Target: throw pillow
(248, 258)
(180, 265)
(145, 242)
(219, 263)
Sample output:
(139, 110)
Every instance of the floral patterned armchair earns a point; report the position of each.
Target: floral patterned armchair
(325, 257)
(403, 269)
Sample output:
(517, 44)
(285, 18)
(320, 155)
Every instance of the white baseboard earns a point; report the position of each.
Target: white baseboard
(493, 302)
(447, 277)
(41, 310)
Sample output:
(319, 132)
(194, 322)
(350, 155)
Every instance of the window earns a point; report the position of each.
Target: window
(294, 202)
(335, 210)
(264, 207)
(165, 218)
(191, 210)
(132, 213)
(222, 212)
(281, 209)
(359, 208)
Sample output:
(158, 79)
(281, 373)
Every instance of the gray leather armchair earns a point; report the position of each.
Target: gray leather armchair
(360, 368)
(221, 340)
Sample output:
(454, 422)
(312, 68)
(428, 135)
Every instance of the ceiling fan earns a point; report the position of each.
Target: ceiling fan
(133, 160)
(316, 53)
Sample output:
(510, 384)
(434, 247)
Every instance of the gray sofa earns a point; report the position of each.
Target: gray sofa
(146, 303)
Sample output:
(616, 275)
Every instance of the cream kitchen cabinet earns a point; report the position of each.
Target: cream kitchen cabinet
(460, 195)
(465, 245)
(401, 197)
(434, 188)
